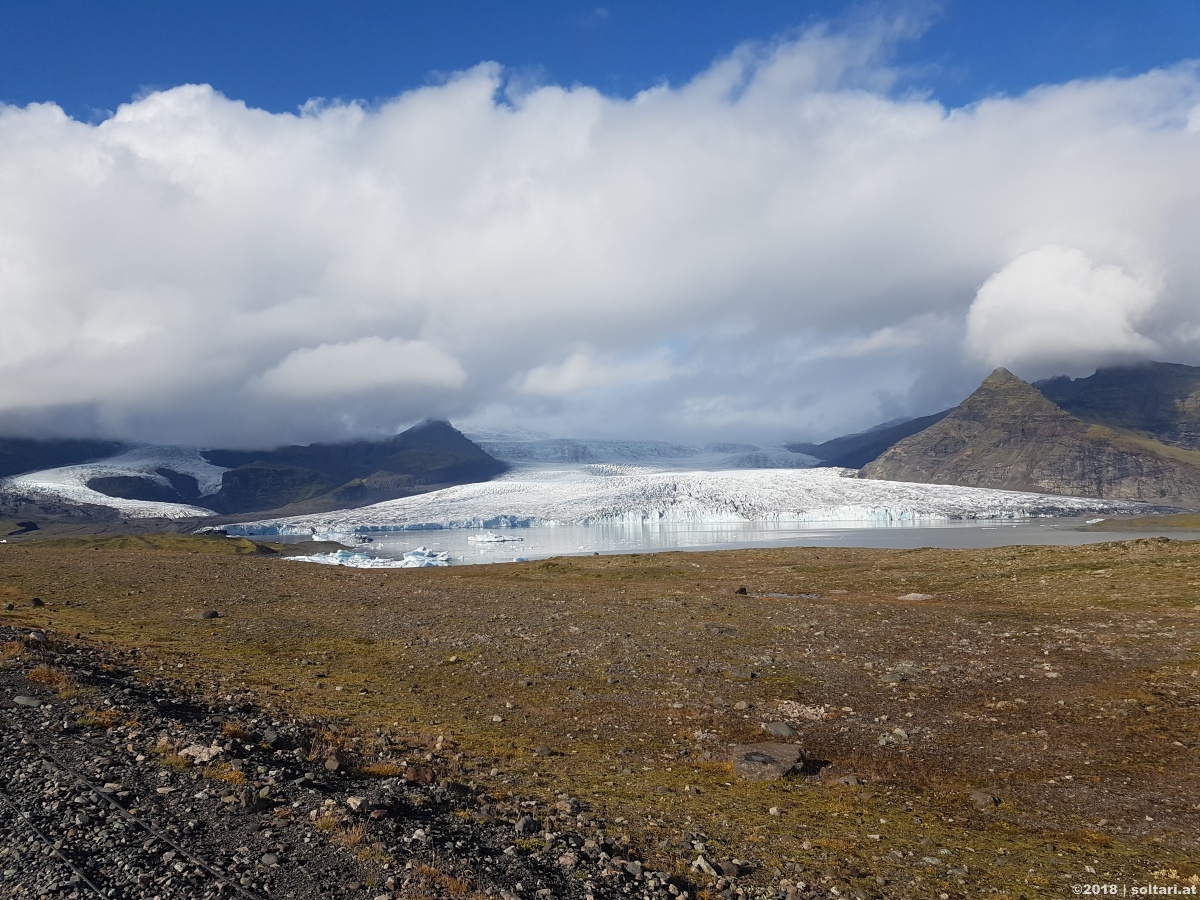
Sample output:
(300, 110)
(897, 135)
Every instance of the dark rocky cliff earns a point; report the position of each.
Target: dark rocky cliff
(1160, 400)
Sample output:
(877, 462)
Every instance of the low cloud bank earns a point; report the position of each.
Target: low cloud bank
(780, 248)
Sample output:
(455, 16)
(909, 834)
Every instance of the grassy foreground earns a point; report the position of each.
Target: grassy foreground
(1010, 721)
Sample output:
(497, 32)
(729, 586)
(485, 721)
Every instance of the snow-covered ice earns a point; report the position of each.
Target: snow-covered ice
(70, 482)
(632, 495)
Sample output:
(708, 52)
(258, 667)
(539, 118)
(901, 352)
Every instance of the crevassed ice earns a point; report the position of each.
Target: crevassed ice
(587, 494)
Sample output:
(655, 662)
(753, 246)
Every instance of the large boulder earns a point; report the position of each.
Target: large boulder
(767, 761)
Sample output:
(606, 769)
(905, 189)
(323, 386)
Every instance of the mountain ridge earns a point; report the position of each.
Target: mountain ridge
(293, 479)
(1008, 434)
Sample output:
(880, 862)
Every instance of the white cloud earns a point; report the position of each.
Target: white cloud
(1054, 310)
(367, 364)
(807, 246)
(583, 371)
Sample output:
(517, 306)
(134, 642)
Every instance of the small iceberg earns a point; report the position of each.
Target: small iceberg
(491, 538)
(423, 557)
(420, 558)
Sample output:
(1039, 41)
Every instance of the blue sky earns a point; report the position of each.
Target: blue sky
(90, 56)
(694, 221)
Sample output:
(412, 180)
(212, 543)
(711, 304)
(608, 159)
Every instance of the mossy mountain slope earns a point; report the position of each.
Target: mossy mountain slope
(1008, 435)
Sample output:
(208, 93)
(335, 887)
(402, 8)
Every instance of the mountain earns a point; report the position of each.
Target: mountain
(1160, 400)
(1008, 434)
(178, 482)
(853, 451)
(320, 477)
(19, 455)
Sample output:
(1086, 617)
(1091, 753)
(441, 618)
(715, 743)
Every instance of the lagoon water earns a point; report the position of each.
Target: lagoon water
(540, 542)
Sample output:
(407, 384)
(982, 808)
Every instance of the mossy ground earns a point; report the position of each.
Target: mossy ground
(1063, 681)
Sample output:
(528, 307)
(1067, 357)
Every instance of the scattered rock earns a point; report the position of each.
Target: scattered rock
(527, 825)
(210, 614)
(984, 799)
(781, 730)
(767, 761)
(703, 865)
(915, 596)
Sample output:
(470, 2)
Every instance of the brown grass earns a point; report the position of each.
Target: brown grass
(235, 731)
(379, 770)
(452, 885)
(101, 718)
(223, 771)
(49, 676)
(350, 835)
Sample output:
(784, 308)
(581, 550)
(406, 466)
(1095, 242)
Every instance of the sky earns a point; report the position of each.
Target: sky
(231, 224)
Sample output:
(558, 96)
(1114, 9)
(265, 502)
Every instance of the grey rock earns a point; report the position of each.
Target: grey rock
(26, 701)
(210, 614)
(526, 825)
(766, 761)
(703, 865)
(781, 730)
(984, 799)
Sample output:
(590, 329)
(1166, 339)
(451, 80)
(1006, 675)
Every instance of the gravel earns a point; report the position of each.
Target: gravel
(97, 798)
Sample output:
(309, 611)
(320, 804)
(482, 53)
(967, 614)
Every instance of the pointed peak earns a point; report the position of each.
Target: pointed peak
(1002, 376)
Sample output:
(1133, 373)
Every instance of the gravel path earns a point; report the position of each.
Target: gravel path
(111, 785)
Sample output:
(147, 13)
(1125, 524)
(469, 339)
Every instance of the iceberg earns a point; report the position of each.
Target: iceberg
(420, 558)
(492, 538)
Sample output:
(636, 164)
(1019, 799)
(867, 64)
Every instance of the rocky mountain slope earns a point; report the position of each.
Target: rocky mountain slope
(1010, 435)
(321, 477)
(1161, 400)
(853, 451)
(173, 482)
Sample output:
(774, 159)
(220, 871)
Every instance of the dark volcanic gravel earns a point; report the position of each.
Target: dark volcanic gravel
(111, 785)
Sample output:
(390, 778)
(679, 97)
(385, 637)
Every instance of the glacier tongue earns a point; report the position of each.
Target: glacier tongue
(646, 496)
(70, 482)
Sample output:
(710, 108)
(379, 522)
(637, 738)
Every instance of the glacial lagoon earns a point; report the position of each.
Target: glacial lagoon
(463, 547)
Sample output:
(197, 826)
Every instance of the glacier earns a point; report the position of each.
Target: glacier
(609, 494)
(70, 482)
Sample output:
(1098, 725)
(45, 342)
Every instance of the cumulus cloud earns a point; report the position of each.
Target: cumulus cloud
(1056, 310)
(782, 247)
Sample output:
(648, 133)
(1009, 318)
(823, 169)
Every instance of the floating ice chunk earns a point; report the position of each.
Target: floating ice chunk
(492, 538)
(422, 557)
